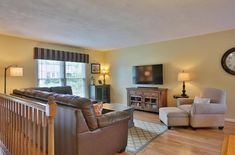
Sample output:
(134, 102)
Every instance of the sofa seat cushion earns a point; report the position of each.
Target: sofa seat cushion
(185, 107)
(111, 118)
(209, 108)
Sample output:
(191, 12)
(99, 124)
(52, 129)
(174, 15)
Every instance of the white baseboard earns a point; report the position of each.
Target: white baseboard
(230, 120)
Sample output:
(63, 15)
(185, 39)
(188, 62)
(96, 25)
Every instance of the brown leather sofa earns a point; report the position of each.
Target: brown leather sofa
(77, 130)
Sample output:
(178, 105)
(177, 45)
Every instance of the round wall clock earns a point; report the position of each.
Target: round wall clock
(228, 61)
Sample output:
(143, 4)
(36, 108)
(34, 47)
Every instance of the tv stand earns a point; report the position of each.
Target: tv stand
(147, 98)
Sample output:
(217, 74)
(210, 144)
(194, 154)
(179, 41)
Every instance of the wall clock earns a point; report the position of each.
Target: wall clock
(228, 61)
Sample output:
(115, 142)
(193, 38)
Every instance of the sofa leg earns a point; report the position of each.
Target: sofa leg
(221, 127)
(169, 127)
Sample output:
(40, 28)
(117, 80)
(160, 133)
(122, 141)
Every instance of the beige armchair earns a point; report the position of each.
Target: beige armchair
(206, 115)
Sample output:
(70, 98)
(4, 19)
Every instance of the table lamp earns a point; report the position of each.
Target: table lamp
(182, 77)
(104, 72)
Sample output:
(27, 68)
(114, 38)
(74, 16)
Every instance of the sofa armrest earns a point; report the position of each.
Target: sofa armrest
(111, 118)
(208, 109)
(183, 101)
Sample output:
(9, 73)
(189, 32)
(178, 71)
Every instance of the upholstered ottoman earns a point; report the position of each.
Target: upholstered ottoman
(173, 116)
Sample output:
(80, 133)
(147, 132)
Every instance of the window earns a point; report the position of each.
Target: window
(76, 77)
(61, 73)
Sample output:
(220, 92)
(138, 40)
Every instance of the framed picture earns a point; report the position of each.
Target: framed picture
(95, 68)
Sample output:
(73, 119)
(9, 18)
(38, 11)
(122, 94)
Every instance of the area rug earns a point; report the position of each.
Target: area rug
(142, 134)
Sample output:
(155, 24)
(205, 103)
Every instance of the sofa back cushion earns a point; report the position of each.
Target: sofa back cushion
(33, 94)
(41, 95)
(81, 103)
(42, 89)
(62, 90)
(69, 100)
(215, 95)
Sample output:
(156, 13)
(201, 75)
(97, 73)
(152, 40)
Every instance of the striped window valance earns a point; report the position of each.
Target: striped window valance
(51, 54)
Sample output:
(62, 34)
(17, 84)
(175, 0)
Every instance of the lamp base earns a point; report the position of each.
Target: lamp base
(184, 95)
(104, 79)
(180, 96)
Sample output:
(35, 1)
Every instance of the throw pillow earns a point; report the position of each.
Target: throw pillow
(98, 107)
(199, 100)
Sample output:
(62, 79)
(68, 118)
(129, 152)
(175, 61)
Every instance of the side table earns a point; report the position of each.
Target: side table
(179, 96)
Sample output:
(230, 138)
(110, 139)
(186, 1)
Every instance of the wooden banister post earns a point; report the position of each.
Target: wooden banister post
(51, 113)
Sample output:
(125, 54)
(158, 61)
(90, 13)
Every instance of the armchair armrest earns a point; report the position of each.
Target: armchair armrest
(111, 118)
(182, 101)
(208, 108)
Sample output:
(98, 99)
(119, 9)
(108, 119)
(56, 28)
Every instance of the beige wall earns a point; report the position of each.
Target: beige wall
(20, 52)
(200, 56)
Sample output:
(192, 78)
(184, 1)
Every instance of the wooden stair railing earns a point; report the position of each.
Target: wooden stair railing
(27, 127)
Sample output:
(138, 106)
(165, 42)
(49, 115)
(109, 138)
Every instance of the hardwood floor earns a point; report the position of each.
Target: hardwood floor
(184, 141)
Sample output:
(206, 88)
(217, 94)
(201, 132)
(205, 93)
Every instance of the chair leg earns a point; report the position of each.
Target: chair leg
(221, 127)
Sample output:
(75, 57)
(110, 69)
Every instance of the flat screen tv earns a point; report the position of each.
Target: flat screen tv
(148, 74)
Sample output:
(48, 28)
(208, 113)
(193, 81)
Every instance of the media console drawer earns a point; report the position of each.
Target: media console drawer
(147, 99)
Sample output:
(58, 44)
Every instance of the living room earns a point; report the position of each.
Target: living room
(198, 51)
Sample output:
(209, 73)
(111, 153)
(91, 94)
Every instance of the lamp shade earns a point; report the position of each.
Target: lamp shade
(104, 71)
(183, 76)
(16, 71)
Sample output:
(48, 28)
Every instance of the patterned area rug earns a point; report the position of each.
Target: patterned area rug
(142, 134)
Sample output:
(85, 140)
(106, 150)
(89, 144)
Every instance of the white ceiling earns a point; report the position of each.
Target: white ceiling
(109, 24)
